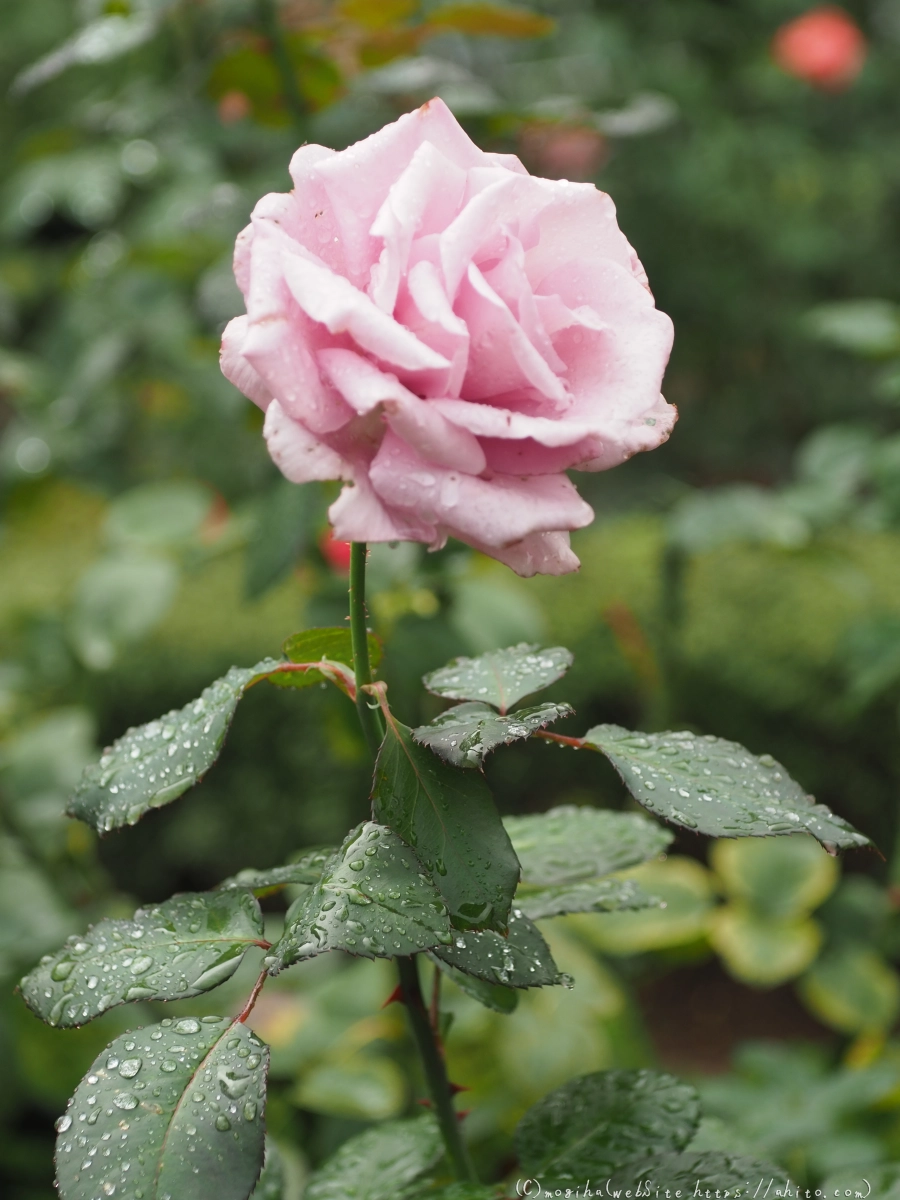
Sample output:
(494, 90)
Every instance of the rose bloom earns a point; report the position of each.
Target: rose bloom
(448, 335)
(824, 47)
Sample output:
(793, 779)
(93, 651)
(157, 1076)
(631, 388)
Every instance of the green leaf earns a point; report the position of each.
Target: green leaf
(595, 895)
(781, 878)
(852, 989)
(594, 1124)
(306, 871)
(565, 851)
(99, 41)
(571, 843)
(495, 996)
(694, 1174)
(183, 947)
(500, 677)
(884, 1180)
(760, 950)
(271, 1181)
(174, 1109)
(377, 1164)
(371, 899)
(464, 735)
(116, 602)
(313, 645)
(159, 516)
(153, 764)
(448, 817)
(717, 787)
(521, 960)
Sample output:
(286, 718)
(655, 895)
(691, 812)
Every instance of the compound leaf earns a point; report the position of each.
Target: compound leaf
(466, 734)
(500, 677)
(594, 1124)
(313, 645)
(716, 787)
(173, 1109)
(379, 1163)
(371, 900)
(520, 960)
(448, 817)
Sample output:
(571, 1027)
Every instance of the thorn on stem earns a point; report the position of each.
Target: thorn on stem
(396, 997)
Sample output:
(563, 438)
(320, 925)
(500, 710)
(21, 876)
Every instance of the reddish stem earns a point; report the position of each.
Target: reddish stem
(254, 996)
(575, 743)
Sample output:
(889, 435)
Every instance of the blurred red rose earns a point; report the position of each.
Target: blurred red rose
(335, 553)
(825, 47)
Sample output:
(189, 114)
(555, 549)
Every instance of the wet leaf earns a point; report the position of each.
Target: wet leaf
(371, 899)
(500, 677)
(710, 1171)
(448, 817)
(568, 853)
(594, 1124)
(152, 765)
(465, 734)
(571, 843)
(306, 871)
(520, 960)
(173, 1109)
(716, 787)
(377, 1164)
(592, 895)
(170, 951)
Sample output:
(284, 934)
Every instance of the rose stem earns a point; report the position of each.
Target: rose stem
(435, 1069)
(425, 1037)
(369, 718)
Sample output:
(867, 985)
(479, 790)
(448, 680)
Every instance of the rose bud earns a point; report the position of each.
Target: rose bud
(824, 47)
(448, 335)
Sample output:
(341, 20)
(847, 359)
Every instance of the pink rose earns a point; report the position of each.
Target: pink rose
(449, 335)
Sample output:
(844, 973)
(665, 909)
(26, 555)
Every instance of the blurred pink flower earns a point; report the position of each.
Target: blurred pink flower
(449, 335)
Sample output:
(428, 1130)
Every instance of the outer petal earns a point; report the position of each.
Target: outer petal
(492, 512)
(236, 368)
(341, 308)
(537, 554)
(358, 515)
(299, 454)
(433, 437)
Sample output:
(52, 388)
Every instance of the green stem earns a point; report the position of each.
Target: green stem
(293, 97)
(369, 718)
(435, 1070)
(423, 1033)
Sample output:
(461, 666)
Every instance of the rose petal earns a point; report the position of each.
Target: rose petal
(359, 178)
(358, 515)
(493, 512)
(424, 199)
(424, 309)
(364, 387)
(236, 368)
(300, 455)
(501, 358)
(537, 554)
(341, 308)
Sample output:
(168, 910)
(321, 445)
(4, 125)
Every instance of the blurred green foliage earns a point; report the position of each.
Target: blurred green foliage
(744, 580)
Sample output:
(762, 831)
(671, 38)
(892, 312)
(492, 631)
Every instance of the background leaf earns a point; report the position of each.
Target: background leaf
(500, 677)
(464, 735)
(449, 818)
(571, 843)
(371, 899)
(594, 1124)
(174, 1109)
(183, 947)
(378, 1164)
(717, 787)
(687, 1171)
